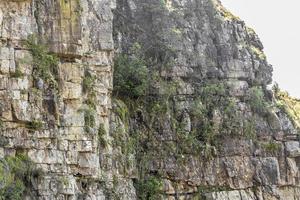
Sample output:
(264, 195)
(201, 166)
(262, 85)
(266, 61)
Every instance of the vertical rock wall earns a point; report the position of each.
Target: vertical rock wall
(59, 128)
(64, 125)
(201, 48)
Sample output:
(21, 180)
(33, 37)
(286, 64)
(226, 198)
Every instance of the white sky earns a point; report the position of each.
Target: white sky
(277, 23)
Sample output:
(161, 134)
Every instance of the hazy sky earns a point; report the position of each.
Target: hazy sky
(277, 23)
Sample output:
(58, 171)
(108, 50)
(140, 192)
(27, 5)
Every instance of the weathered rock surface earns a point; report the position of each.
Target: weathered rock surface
(85, 150)
(80, 34)
(195, 44)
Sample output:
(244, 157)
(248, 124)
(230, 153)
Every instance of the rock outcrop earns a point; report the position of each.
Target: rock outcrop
(221, 103)
(54, 116)
(205, 124)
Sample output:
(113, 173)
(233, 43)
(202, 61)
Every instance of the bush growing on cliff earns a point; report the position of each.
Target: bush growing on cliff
(212, 97)
(271, 147)
(149, 188)
(1, 124)
(89, 120)
(130, 77)
(88, 81)
(288, 105)
(16, 173)
(34, 125)
(101, 136)
(44, 63)
(17, 74)
(257, 100)
(213, 94)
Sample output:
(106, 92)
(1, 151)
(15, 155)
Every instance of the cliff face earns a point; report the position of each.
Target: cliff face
(201, 125)
(219, 133)
(53, 105)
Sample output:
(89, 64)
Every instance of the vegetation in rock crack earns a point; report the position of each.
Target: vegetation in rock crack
(216, 115)
(101, 136)
(90, 101)
(249, 129)
(257, 100)
(120, 108)
(89, 120)
(290, 106)
(272, 147)
(1, 123)
(212, 102)
(225, 13)
(130, 76)
(258, 52)
(210, 96)
(149, 188)
(34, 125)
(88, 81)
(17, 74)
(16, 174)
(44, 63)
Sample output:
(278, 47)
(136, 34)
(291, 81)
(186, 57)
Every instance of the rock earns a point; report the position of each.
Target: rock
(46, 156)
(72, 91)
(4, 66)
(23, 62)
(267, 171)
(197, 48)
(67, 185)
(87, 160)
(232, 195)
(40, 84)
(293, 148)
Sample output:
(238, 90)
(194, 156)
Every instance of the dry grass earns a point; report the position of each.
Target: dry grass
(290, 105)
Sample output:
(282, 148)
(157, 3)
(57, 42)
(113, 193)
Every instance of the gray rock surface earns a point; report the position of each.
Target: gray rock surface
(195, 44)
(82, 139)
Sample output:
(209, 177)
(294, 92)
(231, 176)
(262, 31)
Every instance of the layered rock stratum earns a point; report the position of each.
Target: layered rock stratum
(139, 99)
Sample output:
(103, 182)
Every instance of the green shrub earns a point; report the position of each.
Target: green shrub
(272, 147)
(208, 151)
(17, 74)
(44, 63)
(16, 174)
(34, 125)
(89, 120)
(186, 143)
(101, 136)
(232, 118)
(258, 52)
(91, 101)
(212, 94)
(89, 113)
(149, 188)
(249, 129)
(1, 124)
(121, 109)
(198, 109)
(130, 77)
(215, 114)
(211, 97)
(288, 105)
(257, 100)
(88, 82)
(163, 3)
